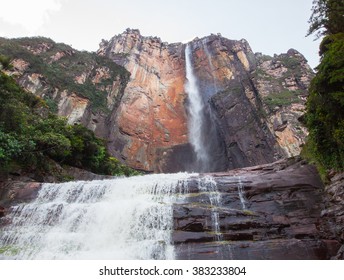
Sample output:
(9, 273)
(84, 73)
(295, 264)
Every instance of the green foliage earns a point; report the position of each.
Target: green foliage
(9, 146)
(264, 57)
(327, 17)
(280, 99)
(325, 106)
(5, 62)
(31, 140)
(290, 62)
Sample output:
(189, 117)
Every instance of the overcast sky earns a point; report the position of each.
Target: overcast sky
(270, 26)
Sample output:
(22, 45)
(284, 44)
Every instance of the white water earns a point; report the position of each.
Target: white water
(241, 193)
(209, 186)
(129, 218)
(196, 110)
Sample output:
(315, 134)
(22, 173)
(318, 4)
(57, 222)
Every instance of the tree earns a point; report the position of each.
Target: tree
(325, 104)
(327, 17)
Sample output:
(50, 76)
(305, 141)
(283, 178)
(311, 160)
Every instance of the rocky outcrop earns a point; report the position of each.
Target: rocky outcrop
(266, 212)
(257, 99)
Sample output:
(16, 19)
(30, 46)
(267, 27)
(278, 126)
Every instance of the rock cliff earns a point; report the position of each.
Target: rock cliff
(80, 86)
(256, 100)
(151, 119)
(132, 94)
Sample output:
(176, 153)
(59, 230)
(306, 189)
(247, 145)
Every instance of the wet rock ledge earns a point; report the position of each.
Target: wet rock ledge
(280, 215)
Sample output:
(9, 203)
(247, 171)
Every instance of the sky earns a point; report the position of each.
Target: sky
(270, 26)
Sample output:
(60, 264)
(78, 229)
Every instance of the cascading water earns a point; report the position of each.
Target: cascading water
(143, 217)
(128, 218)
(196, 119)
(208, 185)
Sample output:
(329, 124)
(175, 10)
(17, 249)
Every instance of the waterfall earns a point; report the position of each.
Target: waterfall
(128, 218)
(196, 118)
(203, 131)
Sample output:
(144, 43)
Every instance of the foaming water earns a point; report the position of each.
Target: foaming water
(124, 218)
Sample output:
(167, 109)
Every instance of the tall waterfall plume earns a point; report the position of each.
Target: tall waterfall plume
(204, 135)
(196, 118)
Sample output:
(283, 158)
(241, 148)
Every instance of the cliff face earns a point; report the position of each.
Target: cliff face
(253, 102)
(80, 86)
(151, 118)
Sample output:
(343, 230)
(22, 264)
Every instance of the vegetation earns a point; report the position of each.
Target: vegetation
(283, 98)
(327, 18)
(39, 52)
(325, 106)
(291, 62)
(31, 136)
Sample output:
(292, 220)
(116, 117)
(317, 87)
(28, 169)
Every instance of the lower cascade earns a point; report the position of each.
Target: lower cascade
(242, 214)
(126, 218)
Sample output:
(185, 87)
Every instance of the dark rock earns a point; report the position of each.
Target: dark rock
(14, 192)
(333, 214)
(292, 249)
(340, 254)
(2, 211)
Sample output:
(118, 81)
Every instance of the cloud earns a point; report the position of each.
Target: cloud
(31, 15)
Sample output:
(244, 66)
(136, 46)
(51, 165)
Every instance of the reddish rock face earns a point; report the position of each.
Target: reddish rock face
(238, 87)
(151, 116)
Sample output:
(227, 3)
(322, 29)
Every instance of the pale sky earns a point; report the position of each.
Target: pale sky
(270, 26)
